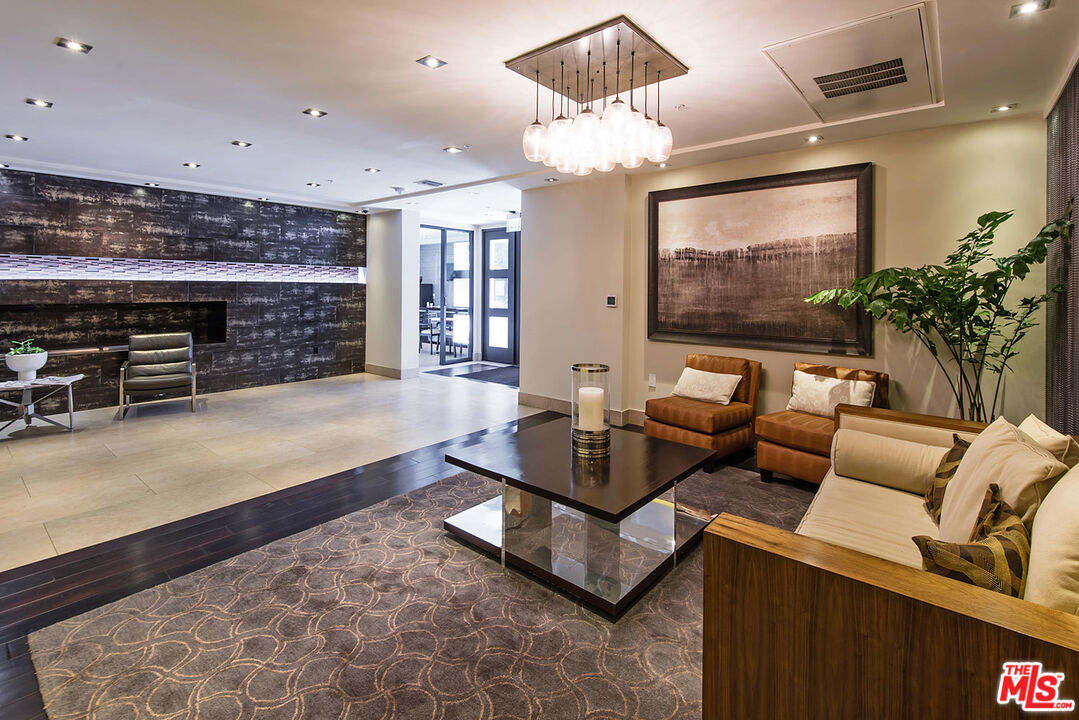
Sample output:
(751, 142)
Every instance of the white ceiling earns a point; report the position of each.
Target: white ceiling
(169, 82)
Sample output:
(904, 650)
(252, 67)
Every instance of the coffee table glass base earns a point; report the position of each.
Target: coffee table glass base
(607, 565)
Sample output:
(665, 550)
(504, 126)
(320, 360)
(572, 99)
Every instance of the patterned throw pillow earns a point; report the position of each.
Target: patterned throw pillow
(997, 557)
(934, 495)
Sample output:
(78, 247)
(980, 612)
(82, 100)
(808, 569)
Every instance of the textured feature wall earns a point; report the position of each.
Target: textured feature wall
(276, 332)
(1062, 338)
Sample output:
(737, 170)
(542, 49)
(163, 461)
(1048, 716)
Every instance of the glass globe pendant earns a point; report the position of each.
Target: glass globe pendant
(558, 140)
(586, 132)
(535, 142)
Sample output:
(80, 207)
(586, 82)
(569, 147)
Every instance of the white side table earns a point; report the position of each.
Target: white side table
(25, 404)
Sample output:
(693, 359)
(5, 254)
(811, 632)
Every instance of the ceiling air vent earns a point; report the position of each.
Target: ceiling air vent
(430, 183)
(869, 77)
(882, 64)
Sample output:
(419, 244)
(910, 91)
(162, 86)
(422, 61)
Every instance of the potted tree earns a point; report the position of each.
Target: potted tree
(959, 310)
(26, 359)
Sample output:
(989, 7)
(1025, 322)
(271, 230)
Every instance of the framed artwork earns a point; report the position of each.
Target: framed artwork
(731, 263)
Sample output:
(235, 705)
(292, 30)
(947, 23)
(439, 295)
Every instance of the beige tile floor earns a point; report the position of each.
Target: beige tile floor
(63, 491)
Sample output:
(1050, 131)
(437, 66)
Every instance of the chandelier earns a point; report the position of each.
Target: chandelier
(595, 129)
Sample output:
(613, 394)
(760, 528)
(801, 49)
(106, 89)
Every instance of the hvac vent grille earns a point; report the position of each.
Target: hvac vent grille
(870, 77)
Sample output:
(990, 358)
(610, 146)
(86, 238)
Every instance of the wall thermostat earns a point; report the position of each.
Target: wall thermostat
(612, 301)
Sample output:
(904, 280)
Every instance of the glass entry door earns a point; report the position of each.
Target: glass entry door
(500, 296)
(455, 306)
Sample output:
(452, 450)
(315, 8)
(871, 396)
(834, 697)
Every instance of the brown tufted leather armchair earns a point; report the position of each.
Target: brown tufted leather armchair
(800, 444)
(723, 428)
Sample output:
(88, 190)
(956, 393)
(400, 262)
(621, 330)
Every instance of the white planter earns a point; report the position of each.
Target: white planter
(26, 365)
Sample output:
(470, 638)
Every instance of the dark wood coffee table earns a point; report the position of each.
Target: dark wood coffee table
(603, 531)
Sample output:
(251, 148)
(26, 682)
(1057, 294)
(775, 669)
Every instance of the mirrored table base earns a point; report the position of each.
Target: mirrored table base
(606, 565)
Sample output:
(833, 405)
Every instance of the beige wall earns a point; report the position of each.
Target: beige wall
(572, 256)
(929, 186)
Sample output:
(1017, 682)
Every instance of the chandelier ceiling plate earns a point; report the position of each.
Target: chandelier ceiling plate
(601, 40)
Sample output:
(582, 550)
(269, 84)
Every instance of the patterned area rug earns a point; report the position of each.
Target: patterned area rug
(380, 615)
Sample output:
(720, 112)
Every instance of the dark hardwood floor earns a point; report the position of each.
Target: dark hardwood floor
(42, 593)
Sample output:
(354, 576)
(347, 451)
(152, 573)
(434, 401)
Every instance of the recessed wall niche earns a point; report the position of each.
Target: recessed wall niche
(274, 331)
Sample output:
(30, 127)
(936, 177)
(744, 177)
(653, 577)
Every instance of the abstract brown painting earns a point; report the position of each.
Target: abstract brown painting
(731, 263)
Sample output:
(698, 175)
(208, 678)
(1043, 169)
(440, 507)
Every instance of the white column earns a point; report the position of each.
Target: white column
(393, 293)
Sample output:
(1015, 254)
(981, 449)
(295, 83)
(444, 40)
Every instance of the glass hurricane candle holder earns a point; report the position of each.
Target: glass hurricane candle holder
(590, 398)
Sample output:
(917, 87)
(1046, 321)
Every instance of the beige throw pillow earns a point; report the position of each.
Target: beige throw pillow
(707, 386)
(818, 395)
(1053, 576)
(1004, 455)
(1062, 446)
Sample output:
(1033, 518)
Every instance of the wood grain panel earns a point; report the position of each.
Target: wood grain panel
(798, 628)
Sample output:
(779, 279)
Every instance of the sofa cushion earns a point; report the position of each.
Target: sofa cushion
(934, 494)
(870, 518)
(1004, 455)
(798, 430)
(703, 417)
(882, 460)
(1054, 552)
(998, 557)
(706, 386)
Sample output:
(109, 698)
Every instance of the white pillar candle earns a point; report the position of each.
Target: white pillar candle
(590, 408)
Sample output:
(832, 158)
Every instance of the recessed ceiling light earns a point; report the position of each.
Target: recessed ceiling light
(814, 139)
(191, 165)
(4, 165)
(453, 150)
(38, 102)
(314, 184)
(1004, 108)
(550, 179)
(264, 199)
(662, 165)
(241, 143)
(74, 45)
(431, 61)
(372, 170)
(315, 112)
(1029, 8)
(150, 184)
(412, 202)
(17, 138)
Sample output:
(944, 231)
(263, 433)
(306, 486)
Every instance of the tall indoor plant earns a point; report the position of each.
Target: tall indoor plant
(959, 310)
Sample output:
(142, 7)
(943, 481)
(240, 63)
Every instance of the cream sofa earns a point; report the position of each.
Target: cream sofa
(839, 620)
(872, 497)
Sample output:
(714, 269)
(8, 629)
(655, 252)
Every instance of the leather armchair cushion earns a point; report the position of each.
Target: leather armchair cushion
(702, 417)
(798, 430)
(159, 341)
(157, 382)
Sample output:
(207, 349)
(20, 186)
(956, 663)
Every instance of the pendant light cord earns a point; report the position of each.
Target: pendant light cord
(537, 95)
(617, 68)
(562, 84)
(658, 80)
(632, 66)
(646, 89)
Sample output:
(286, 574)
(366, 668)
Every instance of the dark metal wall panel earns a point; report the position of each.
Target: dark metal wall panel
(275, 332)
(1062, 337)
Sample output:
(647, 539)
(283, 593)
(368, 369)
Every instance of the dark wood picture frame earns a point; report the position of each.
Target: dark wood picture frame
(862, 345)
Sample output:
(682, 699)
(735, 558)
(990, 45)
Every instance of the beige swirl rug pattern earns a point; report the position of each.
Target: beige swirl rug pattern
(380, 615)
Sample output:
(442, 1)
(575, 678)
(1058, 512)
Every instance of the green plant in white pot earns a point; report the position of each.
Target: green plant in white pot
(26, 358)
